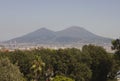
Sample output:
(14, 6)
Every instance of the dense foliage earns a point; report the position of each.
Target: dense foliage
(116, 48)
(9, 72)
(62, 78)
(92, 63)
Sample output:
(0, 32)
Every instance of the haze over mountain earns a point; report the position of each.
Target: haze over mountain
(72, 34)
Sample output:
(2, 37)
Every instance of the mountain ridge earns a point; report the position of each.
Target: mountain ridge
(72, 34)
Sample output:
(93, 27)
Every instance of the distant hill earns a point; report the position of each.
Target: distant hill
(70, 35)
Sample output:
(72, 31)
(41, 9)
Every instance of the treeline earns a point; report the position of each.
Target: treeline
(92, 63)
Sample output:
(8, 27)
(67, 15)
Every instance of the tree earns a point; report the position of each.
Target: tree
(116, 60)
(9, 72)
(116, 46)
(36, 68)
(101, 62)
(62, 78)
(68, 62)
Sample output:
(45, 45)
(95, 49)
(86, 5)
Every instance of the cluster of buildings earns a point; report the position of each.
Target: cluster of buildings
(29, 46)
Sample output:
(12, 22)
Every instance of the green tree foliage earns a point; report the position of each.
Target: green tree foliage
(67, 62)
(24, 60)
(101, 62)
(93, 63)
(36, 68)
(62, 78)
(116, 47)
(9, 72)
(116, 58)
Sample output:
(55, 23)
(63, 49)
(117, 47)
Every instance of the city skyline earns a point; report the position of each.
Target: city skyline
(19, 17)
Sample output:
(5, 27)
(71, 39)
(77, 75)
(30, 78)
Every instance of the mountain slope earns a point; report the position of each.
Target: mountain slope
(70, 35)
(74, 34)
(39, 36)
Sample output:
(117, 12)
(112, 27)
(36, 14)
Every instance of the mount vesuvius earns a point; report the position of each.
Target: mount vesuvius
(70, 35)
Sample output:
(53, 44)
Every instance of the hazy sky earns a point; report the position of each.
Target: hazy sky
(18, 17)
